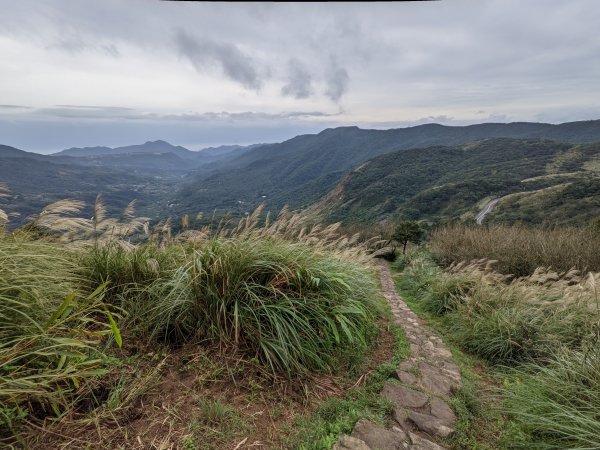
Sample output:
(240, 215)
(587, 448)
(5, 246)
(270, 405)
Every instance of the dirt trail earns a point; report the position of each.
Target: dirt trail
(421, 416)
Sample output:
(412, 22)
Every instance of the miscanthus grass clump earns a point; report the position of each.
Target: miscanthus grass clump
(519, 250)
(286, 304)
(293, 298)
(540, 333)
(50, 333)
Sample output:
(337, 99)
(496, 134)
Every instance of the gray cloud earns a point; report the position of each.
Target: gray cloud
(336, 79)
(203, 53)
(395, 64)
(74, 44)
(15, 107)
(113, 113)
(299, 83)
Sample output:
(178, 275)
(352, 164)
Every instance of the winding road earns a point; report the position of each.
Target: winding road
(481, 215)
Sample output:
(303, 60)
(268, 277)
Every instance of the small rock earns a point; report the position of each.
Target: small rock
(420, 443)
(444, 353)
(428, 346)
(432, 380)
(442, 411)
(406, 377)
(378, 437)
(403, 397)
(407, 364)
(430, 425)
(400, 415)
(453, 372)
(346, 442)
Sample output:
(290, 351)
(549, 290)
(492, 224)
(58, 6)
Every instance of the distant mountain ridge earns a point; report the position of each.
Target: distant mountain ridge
(172, 180)
(158, 146)
(300, 170)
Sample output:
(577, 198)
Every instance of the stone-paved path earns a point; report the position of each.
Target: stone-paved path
(425, 382)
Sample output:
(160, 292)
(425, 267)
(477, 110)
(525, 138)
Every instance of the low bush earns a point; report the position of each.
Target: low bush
(121, 269)
(438, 292)
(522, 320)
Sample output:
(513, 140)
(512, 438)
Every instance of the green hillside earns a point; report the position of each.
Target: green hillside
(538, 181)
(36, 181)
(299, 171)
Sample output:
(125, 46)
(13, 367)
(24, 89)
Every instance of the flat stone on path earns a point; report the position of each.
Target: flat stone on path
(420, 414)
(420, 443)
(406, 377)
(403, 397)
(377, 437)
(346, 442)
(432, 380)
(442, 411)
(430, 424)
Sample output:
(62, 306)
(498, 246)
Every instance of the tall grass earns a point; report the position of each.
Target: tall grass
(296, 297)
(290, 306)
(49, 333)
(544, 329)
(519, 250)
(556, 403)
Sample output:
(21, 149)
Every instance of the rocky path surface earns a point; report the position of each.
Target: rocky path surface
(425, 382)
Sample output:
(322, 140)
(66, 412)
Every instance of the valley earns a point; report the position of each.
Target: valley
(430, 172)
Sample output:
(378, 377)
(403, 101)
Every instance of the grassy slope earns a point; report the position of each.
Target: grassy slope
(443, 183)
(535, 340)
(208, 331)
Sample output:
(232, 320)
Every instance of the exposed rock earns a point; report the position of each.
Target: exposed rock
(406, 377)
(430, 424)
(403, 397)
(432, 380)
(377, 437)
(419, 443)
(407, 364)
(442, 411)
(452, 371)
(400, 415)
(346, 442)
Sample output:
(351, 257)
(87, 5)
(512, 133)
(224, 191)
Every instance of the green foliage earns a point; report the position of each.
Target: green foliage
(545, 327)
(35, 183)
(49, 333)
(408, 231)
(122, 269)
(299, 171)
(218, 424)
(287, 304)
(555, 403)
(443, 184)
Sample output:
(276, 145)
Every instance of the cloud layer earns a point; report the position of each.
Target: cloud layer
(295, 67)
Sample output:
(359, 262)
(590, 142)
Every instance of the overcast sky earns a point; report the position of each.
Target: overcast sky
(117, 72)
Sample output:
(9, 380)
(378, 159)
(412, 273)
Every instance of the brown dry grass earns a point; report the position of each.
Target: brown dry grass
(519, 250)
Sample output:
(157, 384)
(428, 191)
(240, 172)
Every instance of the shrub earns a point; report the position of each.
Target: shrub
(522, 320)
(292, 307)
(408, 231)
